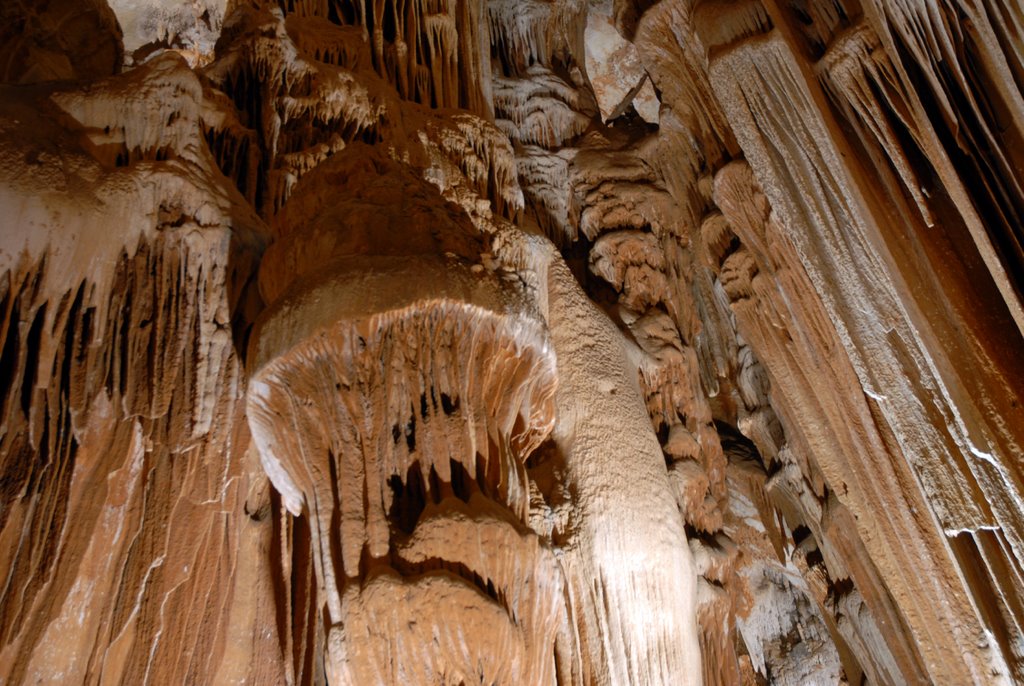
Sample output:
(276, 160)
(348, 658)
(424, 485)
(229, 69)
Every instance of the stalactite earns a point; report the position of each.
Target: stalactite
(546, 342)
(121, 439)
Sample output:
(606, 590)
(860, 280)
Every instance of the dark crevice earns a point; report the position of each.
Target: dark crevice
(735, 445)
(999, 212)
(462, 482)
(408, 499)
(9, 358)
(800, 533)
(448, 405)
(32, 347)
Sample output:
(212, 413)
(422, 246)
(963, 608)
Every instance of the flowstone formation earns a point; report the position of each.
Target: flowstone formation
(493, 342)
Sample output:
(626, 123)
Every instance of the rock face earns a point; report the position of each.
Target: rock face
(496, 342)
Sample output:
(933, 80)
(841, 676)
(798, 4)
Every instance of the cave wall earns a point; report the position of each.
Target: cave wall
(478, 341)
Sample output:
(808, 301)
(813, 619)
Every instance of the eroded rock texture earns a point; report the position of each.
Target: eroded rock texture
(493, 342)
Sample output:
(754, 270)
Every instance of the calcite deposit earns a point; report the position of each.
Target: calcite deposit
(526, 343)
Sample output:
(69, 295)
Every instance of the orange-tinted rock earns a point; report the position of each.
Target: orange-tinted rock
(544, 342)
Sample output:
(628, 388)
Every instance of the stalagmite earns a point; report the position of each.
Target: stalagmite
(478, 341)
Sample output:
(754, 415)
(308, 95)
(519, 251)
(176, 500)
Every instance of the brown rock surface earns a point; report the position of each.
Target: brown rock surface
(547, 342)
(52, 40)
